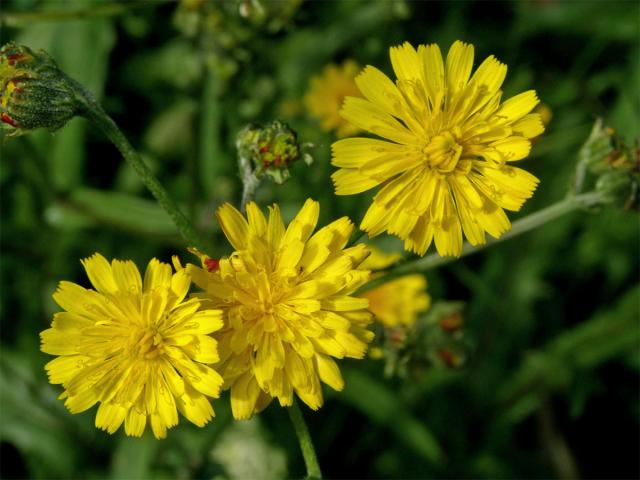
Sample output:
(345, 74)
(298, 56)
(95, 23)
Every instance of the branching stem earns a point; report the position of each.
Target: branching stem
(530, 222)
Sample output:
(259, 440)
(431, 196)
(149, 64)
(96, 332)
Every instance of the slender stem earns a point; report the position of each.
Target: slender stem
(304, 439)
(249, 181)
(519, 227)
(210, 157)
(95, 113)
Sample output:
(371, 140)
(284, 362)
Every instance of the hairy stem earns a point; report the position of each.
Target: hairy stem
(249, 181)
(209, 155)
(530, 222)
(96, 114)
(304, 439)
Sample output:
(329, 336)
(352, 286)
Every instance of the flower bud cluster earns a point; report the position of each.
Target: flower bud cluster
(271, 149)
(436, 340)
(613, 165)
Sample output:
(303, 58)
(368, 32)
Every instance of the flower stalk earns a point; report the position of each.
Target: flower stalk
(304, 439)
(36, 93)
(96, 114)
(530, 222)
(250, 181)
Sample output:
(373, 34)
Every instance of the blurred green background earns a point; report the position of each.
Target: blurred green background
(550, 387)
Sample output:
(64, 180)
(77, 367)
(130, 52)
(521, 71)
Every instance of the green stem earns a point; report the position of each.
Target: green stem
(530, 222)
(249, 181)
(210, 158)
(95, 113)
(304, 439)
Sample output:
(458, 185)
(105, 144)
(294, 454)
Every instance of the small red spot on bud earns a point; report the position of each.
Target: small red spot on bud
(397, 336)
(266, 163)
(278, 160)
(264, 149)
(451, 323)
(7, 119)
(449, 358)
(11, 59)
(212, 264)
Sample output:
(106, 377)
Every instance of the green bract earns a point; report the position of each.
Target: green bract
(34, 92)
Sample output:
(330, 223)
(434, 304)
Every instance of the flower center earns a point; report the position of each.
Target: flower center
(442, 152)
(270, 295)
(146, 344)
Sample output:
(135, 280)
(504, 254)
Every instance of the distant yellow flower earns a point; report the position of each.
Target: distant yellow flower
(379, 259)
(135, 347)
(444, 165)
(545, 112)
(287, 307)
(327, 93)
(399, 301)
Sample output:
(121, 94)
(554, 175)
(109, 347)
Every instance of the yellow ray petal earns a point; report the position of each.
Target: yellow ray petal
(458, 66)
(100, 273)
(234, 226)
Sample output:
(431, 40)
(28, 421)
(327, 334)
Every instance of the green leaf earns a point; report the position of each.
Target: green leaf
(380, 404)
(614, 332)
(32, 420)
(81, 48)
(124, 211)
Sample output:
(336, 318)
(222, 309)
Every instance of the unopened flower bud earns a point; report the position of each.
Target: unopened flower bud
(620, 188)
(271, 16)
(34, 92)
(271, 149)
(449, 358)
(451, 323)
(615, 167)
(605, 151)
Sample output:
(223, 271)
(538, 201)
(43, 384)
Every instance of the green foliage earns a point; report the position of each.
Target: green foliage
(551, 317)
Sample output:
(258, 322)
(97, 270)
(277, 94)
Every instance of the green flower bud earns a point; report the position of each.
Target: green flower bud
(271, 149)
(610, 166)
(596, 148)
(620, 188)
(34, 92)
(271, 16)
(436, 340)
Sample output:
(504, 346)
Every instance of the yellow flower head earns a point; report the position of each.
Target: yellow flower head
(136, 347)
(399, 301)
(327, 93)
(448, 142)
(287, 307)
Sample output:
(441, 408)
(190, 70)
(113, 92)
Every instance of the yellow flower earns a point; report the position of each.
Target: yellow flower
(138, 348)
(399, 301)
(379, 260)
(287, 307)
(449, 140)
(326, 94)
